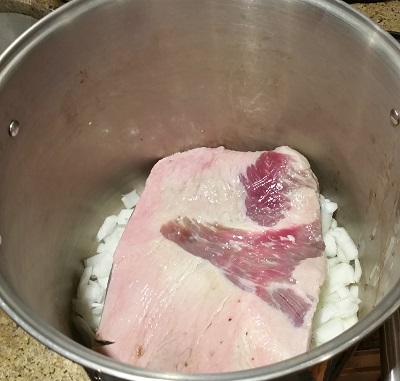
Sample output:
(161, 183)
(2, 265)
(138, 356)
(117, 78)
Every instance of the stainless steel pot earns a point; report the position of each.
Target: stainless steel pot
(99, 90)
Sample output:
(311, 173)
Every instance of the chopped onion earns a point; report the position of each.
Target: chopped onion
(97, 308)
(342, 273)
(346, 307)
(107, 227)
(93, 292)
(328, 330)
(103, 282)
(87, 273)
(102, 264)
(93, 284)
(124, 216)
(101, 248)
(327, 210)
(130, 200)
(327, 297)
(330, 245)
(343, 292)
(332, 262)
(112, 240)
(94, 321)
(338, 305)
(345, 243)
(81, 307)
(342, 256)
(350, 321)
(326, 313)
(354, 289)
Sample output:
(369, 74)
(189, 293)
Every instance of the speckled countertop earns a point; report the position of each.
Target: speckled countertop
(386, 14)
(34, 8)
(22, 358)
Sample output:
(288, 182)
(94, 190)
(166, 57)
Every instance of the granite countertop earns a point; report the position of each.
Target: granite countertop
(22, 358)
(34, 8)
(386, 14)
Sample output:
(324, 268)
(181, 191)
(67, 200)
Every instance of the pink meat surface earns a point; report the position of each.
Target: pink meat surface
(220, 266)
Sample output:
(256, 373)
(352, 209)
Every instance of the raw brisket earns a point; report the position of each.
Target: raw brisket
(220, 266)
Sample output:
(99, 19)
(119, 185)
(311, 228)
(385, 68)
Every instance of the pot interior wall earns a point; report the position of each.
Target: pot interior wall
(103, 96)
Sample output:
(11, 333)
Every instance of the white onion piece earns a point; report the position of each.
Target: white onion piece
(102, 266)
(130, 200)
(344, 292)
(328, 330)
(124, 216)
(87, 273)
(81, 307)
(95, 322)
(93, 261)
(342, 256)
(106, 247)
(327, 210)
(354, 289)
(325, 313)
(346, 307)
(333, 297)
(342, 273)
(329, 289)
(112, 240)
(330, 245)
(97, 308)
(93, 292)
(107, 227)
(103, 269)
(345, 243)
(332, 262)
(92, 321)
(103, 282)
(330, 206)
(101, 248)
(350, 321)
(339, 295)
(95, 277)
(117, 233)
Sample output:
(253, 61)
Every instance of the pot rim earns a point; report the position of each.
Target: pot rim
(58, 342)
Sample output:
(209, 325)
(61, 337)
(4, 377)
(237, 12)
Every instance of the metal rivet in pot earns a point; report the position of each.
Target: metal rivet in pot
(394, 117)
(13, 128)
